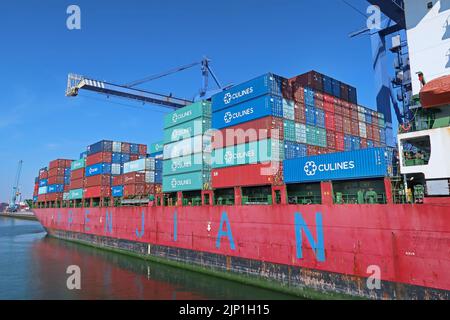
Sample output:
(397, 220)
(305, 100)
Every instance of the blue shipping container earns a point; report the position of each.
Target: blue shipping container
(134, 148)
(348, 142)
(83, 155)
(336, 88)
(43, 182)
(251, 110)
(67, 180)
(294, 150)
(356, 143)
(99, 168)
(309, 97)
(310, 113)
(263, 85)
(101, 146)
(158, 164)
(67, 172)
(117, 191)
(320, 118)
(35, 199)
(116, 157)
(366, 163)
(55, 188)
(327, 85)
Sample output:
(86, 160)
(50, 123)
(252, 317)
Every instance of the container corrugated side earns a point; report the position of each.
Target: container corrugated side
(249, 153)
(359, 164)
(247, 175)
(78, 164)
(188, 113)
(260, 107)
(199, 180)
(76, 194)
(117, 191)
(186, 147)
(262, 85)
(139, 165)
(156, 147)
(188, 129)
(195, 162)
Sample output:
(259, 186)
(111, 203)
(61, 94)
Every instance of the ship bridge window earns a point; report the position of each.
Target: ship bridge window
(416, 151)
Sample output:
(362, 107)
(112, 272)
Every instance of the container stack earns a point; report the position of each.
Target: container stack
(187, 149)
(41, 186)
(105, 159)
(156, 151)
(77, 179)
(52, 183)
(251, 131)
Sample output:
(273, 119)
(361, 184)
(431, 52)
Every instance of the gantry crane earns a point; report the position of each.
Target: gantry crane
(76, 83)
(13, 205)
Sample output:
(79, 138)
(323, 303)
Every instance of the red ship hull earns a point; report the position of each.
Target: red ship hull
(328, 248)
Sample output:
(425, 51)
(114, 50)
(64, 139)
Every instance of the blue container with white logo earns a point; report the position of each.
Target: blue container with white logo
(55, 188)
(320, 118)
(117, 191)
(360, 164)
(99, 168)
(309, 97)
(43, 182)
(251, 110)
(263, 85)
(294, 150)
(310, 113)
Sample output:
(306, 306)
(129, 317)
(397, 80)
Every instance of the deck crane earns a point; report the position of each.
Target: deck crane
(77, 82)
(13, 206)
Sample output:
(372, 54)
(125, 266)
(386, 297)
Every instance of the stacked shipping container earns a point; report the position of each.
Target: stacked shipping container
(53, 183)
(187, 149)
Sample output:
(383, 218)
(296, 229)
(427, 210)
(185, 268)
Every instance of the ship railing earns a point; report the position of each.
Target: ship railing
(305, 199)
(342, 198)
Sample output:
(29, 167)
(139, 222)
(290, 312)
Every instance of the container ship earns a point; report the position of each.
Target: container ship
(288, 183)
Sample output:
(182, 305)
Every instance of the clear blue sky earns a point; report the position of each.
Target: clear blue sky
(121, 41)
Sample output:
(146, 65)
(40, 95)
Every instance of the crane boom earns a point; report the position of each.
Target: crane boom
(77, 82)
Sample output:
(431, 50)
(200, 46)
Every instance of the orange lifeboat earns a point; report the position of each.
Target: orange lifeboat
(436, 93)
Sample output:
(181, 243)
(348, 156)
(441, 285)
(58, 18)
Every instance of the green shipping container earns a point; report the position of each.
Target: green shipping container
(156, 147)
(289, 130)
(189, 113)
(316, 136)
(191, 163)
(186, 130)
(249, 153)
(78, 164)
(321, 137)
(200, 180)
(75, 194)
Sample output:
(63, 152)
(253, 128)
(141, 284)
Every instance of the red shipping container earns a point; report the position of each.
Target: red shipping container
(355, 128)
(43, 175)
(55, 179)
(133, 178)
(330, 121)
(248, 132)
(313, 150)
(60, 163)
(36, 187)
(331, 139)
(319, 104)
(77, 184)
(338, 123)
(77, 174)
(98, 180)
(376, 134)
(100, 157)
(322, 150)
(346, 112)
(347, 125)
(67, 188)
(134, 157)
(312, 79)
(142, 149)
(125, 147)
(42, 198)
(117, 180)
(376, 144)
(328, 98)
(54, 196)
(97, 192)
(355, 115)
(338, 109)
(247, 175)
(131, 190)
(56, 172)
(328, 107)
(318, 96)
(340, 145)
(363, 143)
(299, 112)
(369, 131)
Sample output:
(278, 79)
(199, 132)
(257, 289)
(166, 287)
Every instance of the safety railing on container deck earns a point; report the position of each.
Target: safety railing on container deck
(367, 198)
(224, 201)
(257, 200)
(305, 200)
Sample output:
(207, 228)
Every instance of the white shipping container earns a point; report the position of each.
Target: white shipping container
(116, 169)
(146, 164)
(363, 130)
(288, 109)
(42, 190)
(185, 147)
(116, 146)
(300, 132)
(65, 196)
(150, 177)
(362, 116)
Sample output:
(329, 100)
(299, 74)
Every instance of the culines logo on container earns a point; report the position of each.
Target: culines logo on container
(230, 116)
(177, 116)
(181, 165)
(177, 183)
(311, 168)
(232, 96)
(230, 156)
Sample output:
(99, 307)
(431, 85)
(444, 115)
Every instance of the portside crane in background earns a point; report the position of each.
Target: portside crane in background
(15, 197)
(129, 91)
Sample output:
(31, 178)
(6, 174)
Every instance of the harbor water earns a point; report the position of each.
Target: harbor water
(34, 266)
